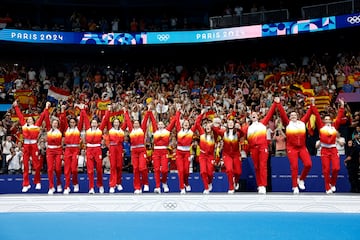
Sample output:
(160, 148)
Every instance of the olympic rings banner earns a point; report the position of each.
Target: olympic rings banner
(173, 37)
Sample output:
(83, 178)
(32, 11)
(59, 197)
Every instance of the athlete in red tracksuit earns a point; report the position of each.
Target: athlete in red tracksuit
(93, 137)
(329, 152)
(138, 152)
(207, 154)
(296, 145)
(31, 130)
(53, 154)
(71, 133)
(116, 138)
(161, 137)
(231, 153)
(256, 135)
(184, 140)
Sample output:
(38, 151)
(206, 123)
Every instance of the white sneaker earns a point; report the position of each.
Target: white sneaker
(91, 191)
(210, 187)
(137, 191)
(146, 188)
(66, 191)
(157, 190)
(25, 188)
(262, 190)
(51, 191)
(38, 186)
(333, 188)
(59, 188)
(236, 186)
(101, 190)
(231, 191)
(119, 187)
(206, 191)
(188, 188)
(111, 190)
(182, 191)
(301, 184)
(329, 191)
(165, 187)
(76, 188)
(295, 190)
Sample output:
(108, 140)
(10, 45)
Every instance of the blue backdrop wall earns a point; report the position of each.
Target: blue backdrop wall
(280, 179)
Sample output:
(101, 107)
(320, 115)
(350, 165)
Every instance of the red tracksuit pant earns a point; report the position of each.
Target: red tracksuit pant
(206, 169)
(71, 165)
(233, 167)
(116, 164)
(259, 155)
(330, 159)
(295, 153)
(160, 161)
(31, 150)
(94, 155)
(53, 159)
(138, 158)
(183, 167)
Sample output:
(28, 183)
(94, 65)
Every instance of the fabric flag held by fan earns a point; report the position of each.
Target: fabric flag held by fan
(56, 94)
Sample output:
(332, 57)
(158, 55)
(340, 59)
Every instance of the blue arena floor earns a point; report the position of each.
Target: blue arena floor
(179, 225)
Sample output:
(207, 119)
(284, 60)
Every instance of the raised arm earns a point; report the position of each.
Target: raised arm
(19, 113)
(177, 122)
(217, 129)
(283, 115)
(45, 116)
(124, 124)
(308, 113)
(85, 118)
(145, 120)
(269, 115)
(319, 122)
(340, 114)
(172, 122)
(128, 120)
(197, 124)
(153, 121)
(63, 120)
(105, 122)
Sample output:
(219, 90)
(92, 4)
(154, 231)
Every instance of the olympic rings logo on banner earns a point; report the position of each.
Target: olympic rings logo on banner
(354, 19)
(163, 37)
(170, 205)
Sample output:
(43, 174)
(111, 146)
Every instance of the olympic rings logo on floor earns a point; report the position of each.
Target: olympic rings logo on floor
(170, 205)
(354, 19)
(163, 37)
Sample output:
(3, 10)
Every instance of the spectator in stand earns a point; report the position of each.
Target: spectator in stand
(127, 153)
(7, 144)
(280, 143)
(31, 130)
(194, 155)
(14, 160)
(329, 152)
(340, 144)
(352, 161)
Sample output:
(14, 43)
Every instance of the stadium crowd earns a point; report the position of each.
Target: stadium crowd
(218, 93)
